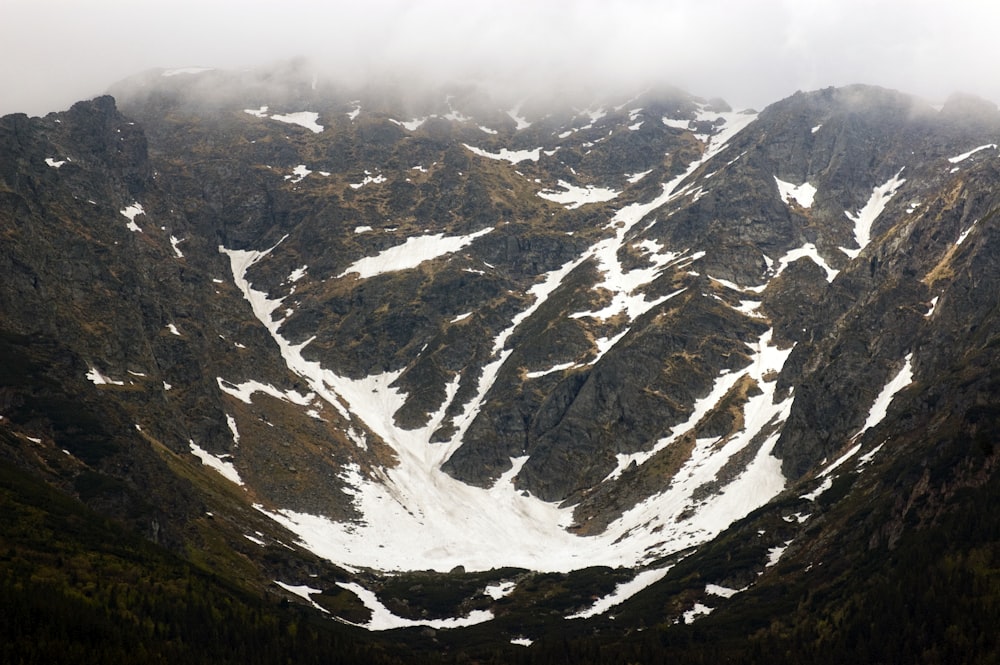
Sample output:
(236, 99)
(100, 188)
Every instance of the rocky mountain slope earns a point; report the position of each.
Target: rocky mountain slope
(646, 357)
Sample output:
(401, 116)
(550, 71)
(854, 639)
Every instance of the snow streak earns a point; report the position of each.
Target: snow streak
(417, 517)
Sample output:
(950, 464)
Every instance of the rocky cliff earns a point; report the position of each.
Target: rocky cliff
(439, 330)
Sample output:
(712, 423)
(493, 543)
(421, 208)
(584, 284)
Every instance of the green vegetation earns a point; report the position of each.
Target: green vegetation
(77, 588)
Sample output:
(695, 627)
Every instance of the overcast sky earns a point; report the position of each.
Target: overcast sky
(750, 52)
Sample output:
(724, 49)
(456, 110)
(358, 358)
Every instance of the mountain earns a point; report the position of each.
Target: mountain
(513, 379)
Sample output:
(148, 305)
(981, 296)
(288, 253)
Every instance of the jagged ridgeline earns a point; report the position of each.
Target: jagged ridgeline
(561, 355)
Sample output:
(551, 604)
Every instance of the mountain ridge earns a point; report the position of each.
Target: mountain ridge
(606, 345)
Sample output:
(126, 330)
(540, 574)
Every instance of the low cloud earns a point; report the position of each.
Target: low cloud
(751, 53)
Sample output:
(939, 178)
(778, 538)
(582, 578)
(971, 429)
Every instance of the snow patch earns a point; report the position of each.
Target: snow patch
(298, 173)
(130, 213)
(721, 591)
(515, 115)
(410, 125)
(864, 219)
(221, 466)
(623, 592)
(806, 250)
(307, 119)
(699, 610)
(802, 194)
(501, 590)
(573, 196)
(383, 619)
(99, 379)
(410, 254)
(512, 156)
(368, 179)
(775, 553)
(965, 233)
(965, 155)
(880, 407)
(232, 428)
(245, 391)
(302, 591)
(53, 163)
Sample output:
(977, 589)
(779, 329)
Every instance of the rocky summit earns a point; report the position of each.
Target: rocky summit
(513, 379)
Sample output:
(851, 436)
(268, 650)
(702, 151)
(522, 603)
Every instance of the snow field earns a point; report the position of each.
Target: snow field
(802, 194)
(218, 464)
(417, 517)
(410, 254)
(864, 219)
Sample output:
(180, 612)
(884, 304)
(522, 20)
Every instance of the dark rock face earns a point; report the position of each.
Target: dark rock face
(568, 291)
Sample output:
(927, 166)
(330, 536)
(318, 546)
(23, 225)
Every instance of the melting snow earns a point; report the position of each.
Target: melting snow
(721, 591)
(636, 177)
(218, 464)
(867, 457)
(410, 125)
(417, 517)
(173, 329)
(369, 179)
(515, 114)
(869, 213)
(232, 428)
(802, 194)
(298, 173)
(498, 591)
(99, 379)
(623, 592)
(307, 119)
(774, 554)
(879, 408)
(966, 155)
(794, 255)
(840, 460)
(130, 213)
(930, 310)
(245, 391)
(410, 254)
(512, 156)
(676, 124)
(815, 494)
(965, 233)
(574, 196)
(174, 242)
(383, 619)
(53, 163)
(698, 610)
(301, 590)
